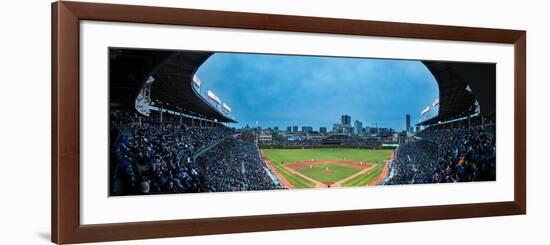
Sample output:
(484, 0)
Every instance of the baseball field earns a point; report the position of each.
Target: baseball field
(328, 167)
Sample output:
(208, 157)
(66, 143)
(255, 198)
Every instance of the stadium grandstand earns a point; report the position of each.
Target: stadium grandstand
(327, 141)
(168, 138)
(458, 144)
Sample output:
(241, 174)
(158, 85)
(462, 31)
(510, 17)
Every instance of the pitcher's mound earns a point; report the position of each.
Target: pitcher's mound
(329, 172)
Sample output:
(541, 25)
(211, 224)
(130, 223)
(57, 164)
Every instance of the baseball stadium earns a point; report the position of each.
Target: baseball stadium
(173, 131)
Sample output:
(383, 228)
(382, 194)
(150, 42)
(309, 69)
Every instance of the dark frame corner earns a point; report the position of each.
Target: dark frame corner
(66, 227)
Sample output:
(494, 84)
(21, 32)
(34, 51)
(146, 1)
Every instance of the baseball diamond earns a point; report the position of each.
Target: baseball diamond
(328, 167)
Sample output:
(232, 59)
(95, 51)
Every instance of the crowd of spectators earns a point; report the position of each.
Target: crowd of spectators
(415, 163)
(368, 143)
(446, 155)
(235, 165)
(350, 142)
(148, 157)
(294, 143)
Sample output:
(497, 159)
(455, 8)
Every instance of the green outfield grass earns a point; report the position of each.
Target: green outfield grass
(365, 178)
(297, 155)
(287, 156)
(334, 174)
(297, 181)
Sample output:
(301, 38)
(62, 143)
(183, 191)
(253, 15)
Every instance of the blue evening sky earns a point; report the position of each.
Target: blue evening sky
(284, 90)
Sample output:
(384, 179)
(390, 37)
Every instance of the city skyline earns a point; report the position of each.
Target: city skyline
(283, 90)
(300, 128)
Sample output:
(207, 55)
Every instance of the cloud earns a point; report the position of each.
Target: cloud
(281, 90)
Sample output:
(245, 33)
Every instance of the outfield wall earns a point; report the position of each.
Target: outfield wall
(326, 146)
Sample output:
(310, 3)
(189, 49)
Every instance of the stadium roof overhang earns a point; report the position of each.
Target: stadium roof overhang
(460, 86)
(173, 87)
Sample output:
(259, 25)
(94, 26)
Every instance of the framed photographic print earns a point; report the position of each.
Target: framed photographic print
(177, 122)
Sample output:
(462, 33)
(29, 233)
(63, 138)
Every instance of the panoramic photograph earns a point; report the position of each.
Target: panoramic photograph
(200, 121)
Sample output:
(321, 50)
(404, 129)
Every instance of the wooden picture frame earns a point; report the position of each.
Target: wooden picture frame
(65, 177)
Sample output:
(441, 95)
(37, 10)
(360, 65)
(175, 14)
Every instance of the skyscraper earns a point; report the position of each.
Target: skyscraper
(323, 130)
(346, 120)
(408, 123)
(366, 131)
(358, 128)
(295, 129)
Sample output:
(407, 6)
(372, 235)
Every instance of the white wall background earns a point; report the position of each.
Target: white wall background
(25, 121)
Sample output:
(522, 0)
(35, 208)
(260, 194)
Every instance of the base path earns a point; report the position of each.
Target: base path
(295, 166)
(385, 171)
(339, 183)
(383, 175)
(317, 183)
(305, 164)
